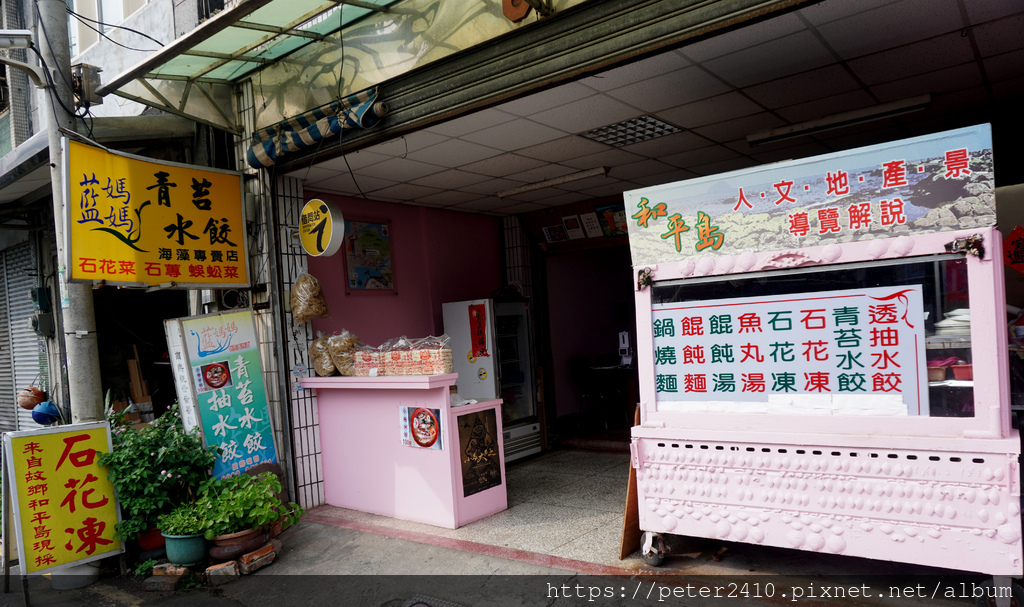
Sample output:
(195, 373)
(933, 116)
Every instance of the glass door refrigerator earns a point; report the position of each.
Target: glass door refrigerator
(492, 352)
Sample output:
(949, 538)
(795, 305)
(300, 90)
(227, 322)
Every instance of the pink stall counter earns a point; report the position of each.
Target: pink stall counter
(803, 330)
(396, 446)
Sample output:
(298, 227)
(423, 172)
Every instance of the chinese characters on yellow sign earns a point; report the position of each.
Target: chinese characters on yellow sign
(64, 505)
(135, 221)
(321, 228)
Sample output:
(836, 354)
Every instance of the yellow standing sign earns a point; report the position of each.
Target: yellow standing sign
(65, 510)
(137, 221)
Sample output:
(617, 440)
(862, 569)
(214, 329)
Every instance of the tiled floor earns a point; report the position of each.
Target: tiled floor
(565, 504)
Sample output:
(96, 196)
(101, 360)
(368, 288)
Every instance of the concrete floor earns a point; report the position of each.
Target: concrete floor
(562, 529)
(566, 511)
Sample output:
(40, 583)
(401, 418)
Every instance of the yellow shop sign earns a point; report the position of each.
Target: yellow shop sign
(136, 221)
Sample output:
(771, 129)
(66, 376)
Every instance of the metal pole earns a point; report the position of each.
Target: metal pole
(81, 350)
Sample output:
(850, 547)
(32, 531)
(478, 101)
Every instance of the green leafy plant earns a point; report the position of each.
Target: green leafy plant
(186, 519)
(245, 502)
(145, 568)
(154, 469)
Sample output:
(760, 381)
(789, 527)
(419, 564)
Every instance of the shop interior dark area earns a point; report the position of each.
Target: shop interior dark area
(134, 359)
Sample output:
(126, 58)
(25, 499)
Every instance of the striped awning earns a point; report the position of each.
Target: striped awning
(361, 110)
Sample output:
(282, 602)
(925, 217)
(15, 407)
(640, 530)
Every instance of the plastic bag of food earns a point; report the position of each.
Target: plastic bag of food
(320, 357)
(341, 346)
(308, 299)
(343, 341)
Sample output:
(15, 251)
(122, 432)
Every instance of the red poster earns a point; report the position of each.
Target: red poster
(1013, 249)
(478, 329)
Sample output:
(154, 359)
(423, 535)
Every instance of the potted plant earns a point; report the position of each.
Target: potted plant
(238, 505)
(154, 469)
(183, 530)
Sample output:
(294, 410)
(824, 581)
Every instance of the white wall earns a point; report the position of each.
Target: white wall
(156, 19)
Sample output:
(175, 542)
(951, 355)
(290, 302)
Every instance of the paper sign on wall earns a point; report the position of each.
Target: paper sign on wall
(421, 427)
(478, 329)
(573, 228)
(1013, 249)
(591, 225)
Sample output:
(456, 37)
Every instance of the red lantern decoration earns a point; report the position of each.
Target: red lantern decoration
(30, 397)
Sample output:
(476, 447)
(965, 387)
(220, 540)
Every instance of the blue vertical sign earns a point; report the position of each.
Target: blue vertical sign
(230, 396)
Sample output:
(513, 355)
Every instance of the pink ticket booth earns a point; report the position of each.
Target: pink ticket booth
(396, 446)
(823, 358)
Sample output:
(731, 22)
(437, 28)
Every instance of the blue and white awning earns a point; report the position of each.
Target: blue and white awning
(361, 110)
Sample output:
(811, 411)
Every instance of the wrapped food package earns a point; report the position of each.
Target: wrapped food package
(433, 356)
(320, 357)
(396, 356)
(366, 361)
(307, 299)
(341, 348)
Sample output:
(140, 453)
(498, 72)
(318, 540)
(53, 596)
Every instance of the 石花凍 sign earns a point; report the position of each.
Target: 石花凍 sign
(135, 221)
(925, 184)
(65, 510)
(825, 352)
(215, 360)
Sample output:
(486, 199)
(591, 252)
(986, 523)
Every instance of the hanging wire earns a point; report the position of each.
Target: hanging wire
(46, 35)
(341, 80)
(120, 27)
(49, 76)
(49, 81)
(313, 159)
(87, 118)
(103, 35)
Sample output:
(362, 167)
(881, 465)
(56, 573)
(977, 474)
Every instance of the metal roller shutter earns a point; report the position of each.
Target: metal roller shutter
(21, 269)
(8, 414)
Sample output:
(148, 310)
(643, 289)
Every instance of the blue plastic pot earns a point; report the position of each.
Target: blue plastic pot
(45, 413)
(185, 550)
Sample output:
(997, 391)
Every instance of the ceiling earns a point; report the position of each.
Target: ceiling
(827, 58)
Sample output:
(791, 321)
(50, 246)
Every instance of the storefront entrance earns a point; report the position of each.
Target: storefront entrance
(590, 304)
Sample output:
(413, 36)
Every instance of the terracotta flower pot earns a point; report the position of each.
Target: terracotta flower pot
(227, 553)
(232, 539)
(150, 540)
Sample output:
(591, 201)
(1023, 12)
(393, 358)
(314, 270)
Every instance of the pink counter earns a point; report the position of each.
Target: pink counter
(367, 467)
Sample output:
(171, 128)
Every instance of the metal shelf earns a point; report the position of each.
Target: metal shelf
(952, 383)
(947, 342)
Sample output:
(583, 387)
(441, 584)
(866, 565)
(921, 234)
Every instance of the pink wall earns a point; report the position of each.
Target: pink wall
(438, 256)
